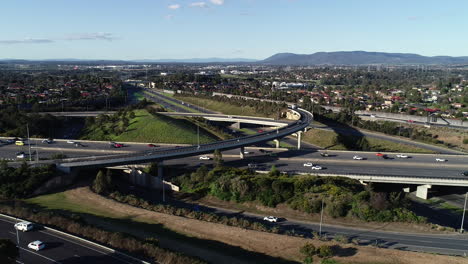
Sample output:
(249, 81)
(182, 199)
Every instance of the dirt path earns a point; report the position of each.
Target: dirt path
(269, 244)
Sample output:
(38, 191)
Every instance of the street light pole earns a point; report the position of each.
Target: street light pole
(29, 141)
(463, 217)
(17, 233)
(321, 219)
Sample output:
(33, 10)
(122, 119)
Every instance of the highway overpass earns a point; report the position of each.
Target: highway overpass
(174, 153)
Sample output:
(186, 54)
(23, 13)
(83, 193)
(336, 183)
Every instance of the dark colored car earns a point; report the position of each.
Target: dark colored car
(152, 145)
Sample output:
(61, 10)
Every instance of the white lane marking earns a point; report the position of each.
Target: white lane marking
(27, 250)
(19, 262)
(13, 233)
(90, 248)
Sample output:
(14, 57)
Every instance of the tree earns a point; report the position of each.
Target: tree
(309, 251)
(8, 251)
(274, 171)
(325, 251)
(103, 183)
(218, 158)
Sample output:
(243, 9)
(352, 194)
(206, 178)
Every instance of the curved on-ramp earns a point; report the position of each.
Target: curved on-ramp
(174, 153)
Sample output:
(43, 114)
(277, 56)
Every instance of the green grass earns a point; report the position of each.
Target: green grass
(148, 128)
(59, 201)
(326, 139)
(221, 107)
(139, 96)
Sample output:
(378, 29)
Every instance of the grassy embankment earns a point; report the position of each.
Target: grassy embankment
(146, 127)
(327, 139)
(222, 107)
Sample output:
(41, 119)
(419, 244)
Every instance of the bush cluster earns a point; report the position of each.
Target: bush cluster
(148, 248)
(22, 181)
(341, 196)
(241, 222)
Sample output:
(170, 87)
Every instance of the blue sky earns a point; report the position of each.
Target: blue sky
(160, 29)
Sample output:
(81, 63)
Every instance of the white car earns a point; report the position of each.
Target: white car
(24, 226)
(204, 158)
(270, 219)
(316, 167)
(440, 160)
(247, 152)
(402, 156)
(36, 245)
(20, 155)
(358, 158)
(71, 142)
(308, 164)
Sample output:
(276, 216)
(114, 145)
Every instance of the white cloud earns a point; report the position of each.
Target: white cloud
(85, 36)
(26, 41)
(217, 2)
(91, 36)
(169, 17)
(174, 6)
(198, 4)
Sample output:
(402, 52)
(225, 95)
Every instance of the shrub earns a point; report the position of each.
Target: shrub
(325, 251)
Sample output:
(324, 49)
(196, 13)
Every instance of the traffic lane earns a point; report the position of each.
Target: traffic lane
(392, 157)
(351, 167)
(59, 248)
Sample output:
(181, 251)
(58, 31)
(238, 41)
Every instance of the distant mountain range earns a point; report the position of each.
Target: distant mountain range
(319, 58)
(359, 58)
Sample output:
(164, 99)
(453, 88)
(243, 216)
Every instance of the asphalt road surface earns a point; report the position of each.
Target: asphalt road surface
(340, 162)
(59, 248)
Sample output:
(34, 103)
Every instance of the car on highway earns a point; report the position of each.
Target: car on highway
(204, 158)
(152, 145)
(19, 142)
(316, 167)
(10, 141)
(357, 157)
(48, 141)
(247, 152)
(440, 160)
(78, 144)
(262, 150)
(117, 145)
(271, 219)
(402, 156)
(260, 131)
(20, 155)
(308, 164)
(24, 226)
(71, 142)
(384, 156)
(324, 154)
(465, 173)
(36, 245)
(252, 165)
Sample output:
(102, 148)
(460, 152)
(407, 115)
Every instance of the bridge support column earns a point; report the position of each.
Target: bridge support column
(237, 125)
(160, 169)
(299, 138)
(277, 143)
(422, 191)
(241, 153)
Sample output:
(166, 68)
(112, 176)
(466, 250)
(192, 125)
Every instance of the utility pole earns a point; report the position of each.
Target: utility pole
(17, 234)
(198, 135)
(321, 219)
(463, 217)
(29, 141)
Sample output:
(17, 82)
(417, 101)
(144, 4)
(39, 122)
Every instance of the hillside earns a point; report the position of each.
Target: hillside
(145, 127)
(359, 58)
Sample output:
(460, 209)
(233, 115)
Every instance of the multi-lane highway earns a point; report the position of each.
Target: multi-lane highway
(59, 248)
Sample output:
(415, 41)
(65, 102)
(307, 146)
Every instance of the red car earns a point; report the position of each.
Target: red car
(260, 131)
(152, 145)
(379, 154)
(117, 145)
